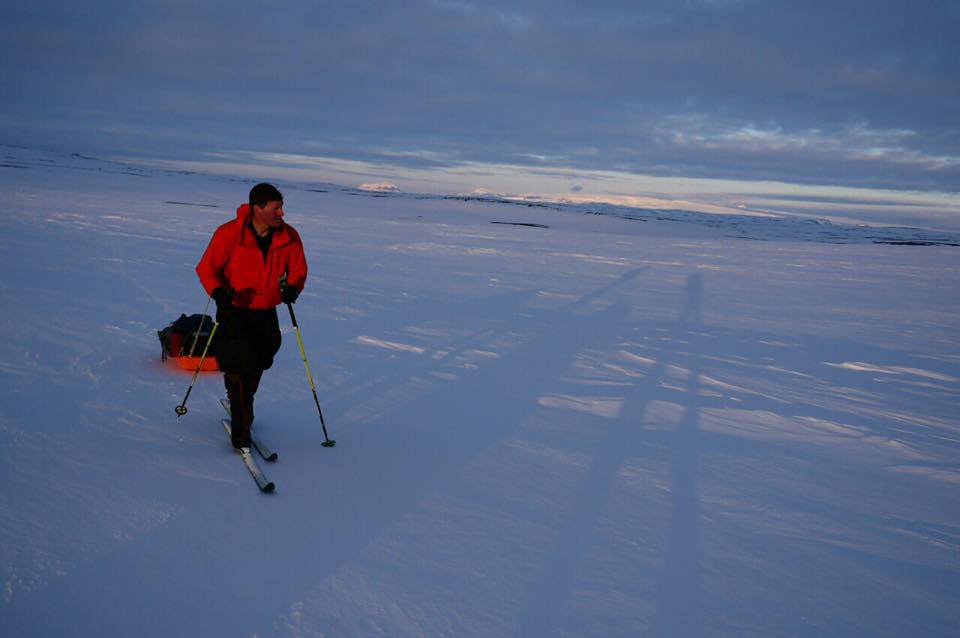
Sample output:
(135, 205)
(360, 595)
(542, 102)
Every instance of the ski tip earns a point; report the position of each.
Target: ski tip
(273, 458)
(268, 488)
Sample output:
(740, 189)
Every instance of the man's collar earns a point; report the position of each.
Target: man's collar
(253, 228)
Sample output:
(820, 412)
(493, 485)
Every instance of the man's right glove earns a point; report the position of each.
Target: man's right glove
(224, 299)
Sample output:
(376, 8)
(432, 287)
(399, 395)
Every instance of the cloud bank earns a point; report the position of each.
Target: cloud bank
(851, 93)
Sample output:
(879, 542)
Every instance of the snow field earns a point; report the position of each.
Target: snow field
(603, 427)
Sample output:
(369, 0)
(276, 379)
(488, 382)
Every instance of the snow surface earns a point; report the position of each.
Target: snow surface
(585, 425)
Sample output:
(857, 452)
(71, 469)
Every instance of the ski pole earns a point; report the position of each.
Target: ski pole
(193, 346)
(182, 408)
(303, 353)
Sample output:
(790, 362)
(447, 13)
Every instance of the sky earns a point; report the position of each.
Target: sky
(746, 104)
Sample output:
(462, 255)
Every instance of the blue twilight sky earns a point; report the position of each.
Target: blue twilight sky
(803, 105)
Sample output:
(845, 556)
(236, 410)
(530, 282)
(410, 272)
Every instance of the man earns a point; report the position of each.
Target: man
(241, 269)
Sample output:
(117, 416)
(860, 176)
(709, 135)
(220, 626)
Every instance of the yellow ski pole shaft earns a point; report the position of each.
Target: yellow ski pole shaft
(182, 408)
(313, 388)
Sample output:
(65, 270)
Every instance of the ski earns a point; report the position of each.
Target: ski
(255, 472)
(261, 447)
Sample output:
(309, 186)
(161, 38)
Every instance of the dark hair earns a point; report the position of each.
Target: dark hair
(263, 193)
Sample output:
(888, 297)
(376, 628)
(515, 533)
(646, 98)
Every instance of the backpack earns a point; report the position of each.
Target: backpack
(186, 336)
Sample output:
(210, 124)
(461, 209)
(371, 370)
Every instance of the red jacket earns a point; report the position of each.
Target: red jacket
(234, 260)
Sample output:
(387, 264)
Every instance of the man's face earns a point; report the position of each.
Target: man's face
(270, 215)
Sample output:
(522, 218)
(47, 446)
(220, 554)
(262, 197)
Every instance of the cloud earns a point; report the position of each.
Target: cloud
(452, 5)
(795, 92)
(379, 187)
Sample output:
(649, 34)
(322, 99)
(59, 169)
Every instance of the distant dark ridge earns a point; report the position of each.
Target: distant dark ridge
(497, 200)
(528, 224)
(193, 204)
(754, 228)
(914, 242)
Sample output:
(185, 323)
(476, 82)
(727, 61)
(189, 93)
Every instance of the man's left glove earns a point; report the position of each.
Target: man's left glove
(288, 293)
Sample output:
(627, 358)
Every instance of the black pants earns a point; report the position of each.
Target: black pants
(241, 389)
(247, 343)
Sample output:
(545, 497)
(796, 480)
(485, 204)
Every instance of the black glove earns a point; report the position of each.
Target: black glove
(288, 293)
(224, 299)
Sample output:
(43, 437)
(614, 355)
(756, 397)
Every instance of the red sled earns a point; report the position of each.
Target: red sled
(210, 364)
(189, 335)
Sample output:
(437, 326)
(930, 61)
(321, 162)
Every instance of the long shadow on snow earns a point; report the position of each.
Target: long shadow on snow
(827, 494)
(680, 601)
(679, 598)
(427, 441)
